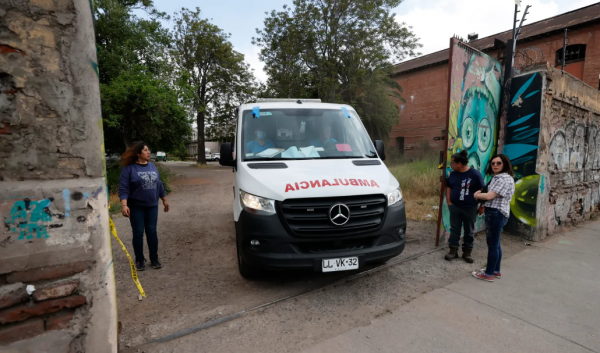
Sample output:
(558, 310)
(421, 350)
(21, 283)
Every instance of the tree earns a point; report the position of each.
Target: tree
(217, 74)
(141, 98)
(339, 51)
(138, 106)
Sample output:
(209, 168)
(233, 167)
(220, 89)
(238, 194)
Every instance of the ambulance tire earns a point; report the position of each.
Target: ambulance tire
(246, 270)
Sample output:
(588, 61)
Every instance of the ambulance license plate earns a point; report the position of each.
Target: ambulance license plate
(341, 264)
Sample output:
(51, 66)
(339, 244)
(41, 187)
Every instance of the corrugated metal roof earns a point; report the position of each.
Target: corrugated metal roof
(557, 23)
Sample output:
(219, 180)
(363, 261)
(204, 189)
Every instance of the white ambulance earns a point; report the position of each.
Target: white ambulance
(310, 189)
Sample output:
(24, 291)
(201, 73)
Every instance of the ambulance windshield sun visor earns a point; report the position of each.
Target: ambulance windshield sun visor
(281, 134)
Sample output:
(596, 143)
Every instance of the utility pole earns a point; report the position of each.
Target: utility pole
(509, 63)
(516, 33)
(564, 53)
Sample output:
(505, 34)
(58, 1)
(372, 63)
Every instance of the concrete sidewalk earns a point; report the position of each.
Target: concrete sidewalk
(547, 301)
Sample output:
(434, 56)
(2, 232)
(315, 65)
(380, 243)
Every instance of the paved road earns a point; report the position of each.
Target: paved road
(547, 301)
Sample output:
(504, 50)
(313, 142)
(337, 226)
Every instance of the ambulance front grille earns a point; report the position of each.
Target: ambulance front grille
(310, 217)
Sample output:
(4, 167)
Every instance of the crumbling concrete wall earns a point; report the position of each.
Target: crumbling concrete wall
(53, 198)
(569, 151)
(553, 141)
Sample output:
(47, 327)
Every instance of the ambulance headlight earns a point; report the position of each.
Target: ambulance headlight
(394, 197)
(257, 205)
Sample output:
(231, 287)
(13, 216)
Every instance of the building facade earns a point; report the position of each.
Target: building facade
(424, 80)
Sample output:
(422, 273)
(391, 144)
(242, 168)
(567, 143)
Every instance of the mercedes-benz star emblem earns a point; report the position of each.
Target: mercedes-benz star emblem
(339, 214)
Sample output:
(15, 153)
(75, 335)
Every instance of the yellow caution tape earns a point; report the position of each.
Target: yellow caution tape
(113, 230)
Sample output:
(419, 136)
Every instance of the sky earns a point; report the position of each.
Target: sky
(433, 21)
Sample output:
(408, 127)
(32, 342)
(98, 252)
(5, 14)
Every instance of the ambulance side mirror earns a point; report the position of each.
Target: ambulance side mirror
(380, 149)
(227, 155)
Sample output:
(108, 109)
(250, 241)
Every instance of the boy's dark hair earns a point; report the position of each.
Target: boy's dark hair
(506, 166)
(462, 157)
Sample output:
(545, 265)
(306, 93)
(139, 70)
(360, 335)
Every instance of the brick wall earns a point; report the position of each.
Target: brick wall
(53, 201)
(589, 35)
(423, 117)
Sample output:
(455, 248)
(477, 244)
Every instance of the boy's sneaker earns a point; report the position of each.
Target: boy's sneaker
(482, 276)
(156, 264)
(140, 265)
(497, 275)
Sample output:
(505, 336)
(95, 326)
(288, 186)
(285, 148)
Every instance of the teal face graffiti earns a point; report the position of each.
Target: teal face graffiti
(476, 81)
(477, 122)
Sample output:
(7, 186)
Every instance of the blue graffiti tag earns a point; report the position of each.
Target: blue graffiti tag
(67, 196)
(24, 218)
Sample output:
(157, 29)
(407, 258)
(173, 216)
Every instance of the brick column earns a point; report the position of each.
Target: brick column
(56, 277)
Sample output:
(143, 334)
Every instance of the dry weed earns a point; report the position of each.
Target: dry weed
(420, 184)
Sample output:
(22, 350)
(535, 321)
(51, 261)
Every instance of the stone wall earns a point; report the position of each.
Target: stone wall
(569, 151)
(53, 201)
(553, 141)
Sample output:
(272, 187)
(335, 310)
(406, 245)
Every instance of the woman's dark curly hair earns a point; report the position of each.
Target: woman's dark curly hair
(131, 154)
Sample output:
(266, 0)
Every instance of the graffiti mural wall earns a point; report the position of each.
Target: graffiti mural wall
(553, 142)
(474, 102)
(571, 132)
(521, 146)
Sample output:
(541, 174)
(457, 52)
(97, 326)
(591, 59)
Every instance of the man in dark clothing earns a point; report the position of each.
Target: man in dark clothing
(462, 184)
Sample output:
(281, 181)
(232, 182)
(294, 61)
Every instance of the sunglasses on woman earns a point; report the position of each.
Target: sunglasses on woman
(496, 163)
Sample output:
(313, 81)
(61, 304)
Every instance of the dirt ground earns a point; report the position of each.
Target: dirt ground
(200, 281)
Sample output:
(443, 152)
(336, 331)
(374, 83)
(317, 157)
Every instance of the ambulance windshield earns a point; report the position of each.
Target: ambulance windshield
(304, 134)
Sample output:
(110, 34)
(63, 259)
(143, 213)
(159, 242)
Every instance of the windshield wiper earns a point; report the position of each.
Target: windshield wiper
(340, 157)
(260, 159)
(371, 155)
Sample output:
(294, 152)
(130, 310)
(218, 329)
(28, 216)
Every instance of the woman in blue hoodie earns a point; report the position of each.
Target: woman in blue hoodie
(139, 190)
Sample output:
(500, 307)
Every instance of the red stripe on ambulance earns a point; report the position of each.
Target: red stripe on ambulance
(325, 182)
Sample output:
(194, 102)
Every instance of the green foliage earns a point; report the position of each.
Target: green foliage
(181, 153)
(339, 51)
(216, 74)
(138, 106)
(141, 98)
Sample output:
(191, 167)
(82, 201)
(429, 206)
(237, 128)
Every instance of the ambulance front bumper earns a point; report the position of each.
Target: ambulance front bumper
(280, 250)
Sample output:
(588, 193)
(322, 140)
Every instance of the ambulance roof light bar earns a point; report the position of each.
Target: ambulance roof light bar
(287, 100)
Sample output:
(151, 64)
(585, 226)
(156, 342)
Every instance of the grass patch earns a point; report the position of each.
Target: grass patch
(113, 173)
(420, 184)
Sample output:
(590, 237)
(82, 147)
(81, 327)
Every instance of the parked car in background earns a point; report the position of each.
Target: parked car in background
(112, 157)
(207, 154)
(161, 156)
(216, 156)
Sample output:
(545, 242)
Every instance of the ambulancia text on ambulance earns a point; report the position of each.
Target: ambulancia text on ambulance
(310, 189)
